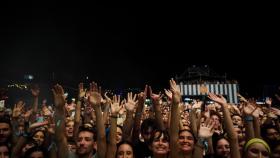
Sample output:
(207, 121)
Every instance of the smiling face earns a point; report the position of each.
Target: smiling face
(160, 144)
(186, 142)
(223, 148)
(69, 129)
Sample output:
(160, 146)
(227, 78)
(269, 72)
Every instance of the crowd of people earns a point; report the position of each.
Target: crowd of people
(100, 125)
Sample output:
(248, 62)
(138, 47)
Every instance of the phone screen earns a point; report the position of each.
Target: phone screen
(40, 119)
(2, 103)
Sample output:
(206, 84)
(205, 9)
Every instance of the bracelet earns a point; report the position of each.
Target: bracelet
(248, 118)
(58, 123)
(203, 143)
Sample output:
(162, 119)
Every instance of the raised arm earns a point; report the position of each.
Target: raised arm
(176, 98)
(234, 151)
(128, 123)
(112, 146)
(59, 116)
(137, 119)
(251, 113)
(193, 117)
(106, 103)
(95, 102)
(35, 91)
(77, 117)
(157, 109)
(168, 93)
(205, 132)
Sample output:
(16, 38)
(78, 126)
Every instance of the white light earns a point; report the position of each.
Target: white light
(66, 94)
(30, 77)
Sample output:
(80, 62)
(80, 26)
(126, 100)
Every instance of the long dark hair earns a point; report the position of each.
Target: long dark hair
(125, 142)
(34, 149)
(161, 132)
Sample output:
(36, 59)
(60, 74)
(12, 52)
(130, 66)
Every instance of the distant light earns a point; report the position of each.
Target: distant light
(28, 77)
(187, 99)
(87, 77)
(210, 102)
(66, 94)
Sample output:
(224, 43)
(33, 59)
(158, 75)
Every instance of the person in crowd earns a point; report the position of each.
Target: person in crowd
(5, 151)
(159, 144)
(256, 148)
(125, 150)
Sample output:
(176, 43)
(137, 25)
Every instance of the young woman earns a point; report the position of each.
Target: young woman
(36, 152)
(125, 149)
(159, 144)
(256, 148)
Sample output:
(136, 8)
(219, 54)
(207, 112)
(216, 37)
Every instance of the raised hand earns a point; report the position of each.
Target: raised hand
(82, 91)
(115, 105)
(95, 96)
(38, 124)
(58, 94)
(35, 91)
(131, 102)
(217, 98)
(275, 111)
(234, 109)
(143, 95)
(206, 129)
(155, 97)
(46, 111)
(251, 109)
(241, 98)
(176, 94)
(168, 93)
(105, 103)
(107, 99)
(268, 101)
(18, 109)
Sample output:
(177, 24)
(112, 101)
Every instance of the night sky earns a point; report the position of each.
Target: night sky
(121, 47)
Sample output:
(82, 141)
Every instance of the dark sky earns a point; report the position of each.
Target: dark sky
(121, 46)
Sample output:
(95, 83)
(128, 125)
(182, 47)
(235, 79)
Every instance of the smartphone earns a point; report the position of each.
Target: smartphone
(2, 103)
(40, 119)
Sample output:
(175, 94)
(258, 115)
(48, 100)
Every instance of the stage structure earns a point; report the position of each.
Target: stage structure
(197, 79)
